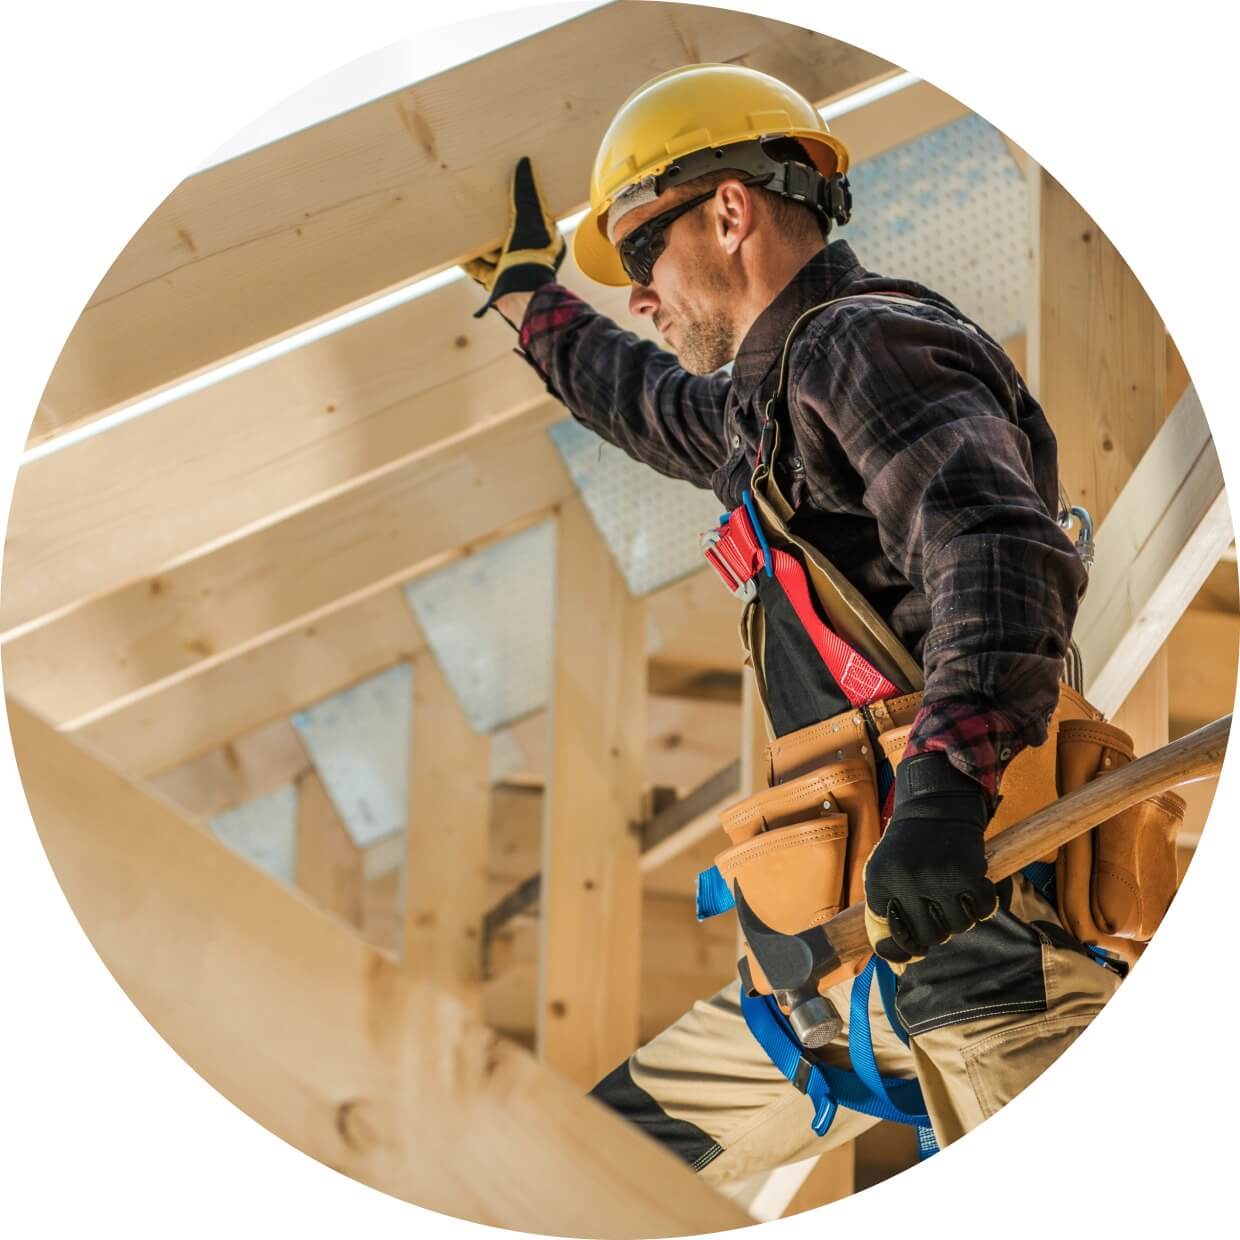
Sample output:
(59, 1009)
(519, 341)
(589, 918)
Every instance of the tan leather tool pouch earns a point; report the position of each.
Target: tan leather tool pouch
(798, 850)
(1116, 881)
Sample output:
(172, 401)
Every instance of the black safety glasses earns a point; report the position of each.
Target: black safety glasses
(642, 247)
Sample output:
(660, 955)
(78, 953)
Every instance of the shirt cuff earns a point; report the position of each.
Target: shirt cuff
(977, 741)
(549, 311)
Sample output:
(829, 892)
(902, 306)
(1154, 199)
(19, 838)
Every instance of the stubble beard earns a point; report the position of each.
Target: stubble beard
(707, 343)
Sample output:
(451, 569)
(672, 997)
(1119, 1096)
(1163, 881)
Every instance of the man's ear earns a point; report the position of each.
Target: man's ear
(733, 214)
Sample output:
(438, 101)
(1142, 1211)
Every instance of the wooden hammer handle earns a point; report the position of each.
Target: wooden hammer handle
(1195, 756)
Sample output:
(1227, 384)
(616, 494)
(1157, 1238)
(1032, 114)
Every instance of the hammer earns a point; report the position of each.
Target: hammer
(794, 963)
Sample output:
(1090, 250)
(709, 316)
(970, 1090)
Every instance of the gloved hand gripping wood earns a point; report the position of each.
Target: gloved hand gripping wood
(926, 879)
(532, 251)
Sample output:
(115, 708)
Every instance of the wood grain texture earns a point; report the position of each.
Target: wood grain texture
(115, 649)
(589, 985)
(195, 715)
(329, 863)
(1161, 539)
(242, 769)
(448, 822)
(329, 217)
(323, 1040)
(304, 426)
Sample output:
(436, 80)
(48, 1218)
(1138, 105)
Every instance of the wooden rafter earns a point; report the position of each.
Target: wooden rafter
(1155, 548)
(119, 648)
(378, 1074)
(307, 425)
(386, 193)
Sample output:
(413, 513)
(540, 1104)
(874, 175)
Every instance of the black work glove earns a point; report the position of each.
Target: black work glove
(926, 878)
(532, 251)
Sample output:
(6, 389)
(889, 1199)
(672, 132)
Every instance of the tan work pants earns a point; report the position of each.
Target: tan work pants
(707, 1089)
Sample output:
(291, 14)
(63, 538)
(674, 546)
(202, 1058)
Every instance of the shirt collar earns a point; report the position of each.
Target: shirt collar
(827, 274)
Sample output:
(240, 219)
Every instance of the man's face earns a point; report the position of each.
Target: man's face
(689, 291)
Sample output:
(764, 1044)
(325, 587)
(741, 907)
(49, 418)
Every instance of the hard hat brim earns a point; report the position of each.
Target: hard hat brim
(596, 256)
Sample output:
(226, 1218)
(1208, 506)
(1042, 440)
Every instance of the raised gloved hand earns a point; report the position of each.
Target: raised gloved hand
(532, 251)
(926, 878)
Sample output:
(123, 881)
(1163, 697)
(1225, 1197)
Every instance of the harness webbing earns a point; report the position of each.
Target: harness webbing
(739, 553)
(828, 1088)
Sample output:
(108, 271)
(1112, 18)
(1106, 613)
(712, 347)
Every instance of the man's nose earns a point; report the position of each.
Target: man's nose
(642, 299)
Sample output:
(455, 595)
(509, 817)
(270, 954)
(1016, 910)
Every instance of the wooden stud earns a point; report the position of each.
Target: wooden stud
(832, 1179)
(241, 769)
(112, 651)
(323, 1040)
(589, 985)
(1096, 358)
(445, 861)
(329, 863)
(1160, 541)
(331, 216)
(173, 725)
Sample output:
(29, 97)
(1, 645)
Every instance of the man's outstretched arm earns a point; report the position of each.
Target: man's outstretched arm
(632, 393)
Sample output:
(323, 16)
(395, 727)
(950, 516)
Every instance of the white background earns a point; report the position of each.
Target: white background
(103, 1130)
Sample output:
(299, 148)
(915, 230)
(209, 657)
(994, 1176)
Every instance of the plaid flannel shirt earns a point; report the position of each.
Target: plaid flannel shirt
(920, 464)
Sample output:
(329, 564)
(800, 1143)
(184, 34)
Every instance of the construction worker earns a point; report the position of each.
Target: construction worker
(915, 458)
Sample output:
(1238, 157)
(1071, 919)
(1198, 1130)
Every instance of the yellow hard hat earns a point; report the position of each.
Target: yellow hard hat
(691, 109)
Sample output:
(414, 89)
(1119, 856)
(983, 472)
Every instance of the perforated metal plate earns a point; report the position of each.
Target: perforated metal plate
(488, 618)
(650, 523)
(951, 211)
(359, 740)
(264, 831)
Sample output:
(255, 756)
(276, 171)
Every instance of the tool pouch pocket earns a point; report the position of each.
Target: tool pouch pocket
(1116, 881)
(798, 850)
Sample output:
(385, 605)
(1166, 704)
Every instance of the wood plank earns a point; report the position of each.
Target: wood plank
(1155, 549)
(240, 770)
(153, 491)
(590, 962)
(892, 121)
(447, 829)
(1202, 668)
(252, 249)
(1099, 365)
(1097, 360)
(241, 456)
(269, 682)
(117, 649)
(329, 863)
(832, 1179)
(683, 960)
(324, 1041)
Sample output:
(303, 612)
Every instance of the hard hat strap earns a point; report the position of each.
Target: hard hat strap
(830, 197)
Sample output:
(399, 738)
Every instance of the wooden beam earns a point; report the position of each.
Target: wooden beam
(1159, 543)
(683, 960)
(308, 425)
(241, 456)
(323, 1040)
(194, 715)
(115, 650)
(445, 865)
(589, 983)
(250, 250)
(1202, 654)
(242, 769)
(329, 863)
(681, 826)
(832, 1178)
(895, 119)
(1097, 360)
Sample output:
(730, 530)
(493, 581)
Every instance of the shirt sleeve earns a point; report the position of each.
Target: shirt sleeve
(927, 413)
(626, 389)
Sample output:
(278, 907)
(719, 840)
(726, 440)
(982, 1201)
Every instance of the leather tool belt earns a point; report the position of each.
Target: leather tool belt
(799, 845)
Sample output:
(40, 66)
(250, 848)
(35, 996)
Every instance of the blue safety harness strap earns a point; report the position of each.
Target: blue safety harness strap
(829, 1088)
